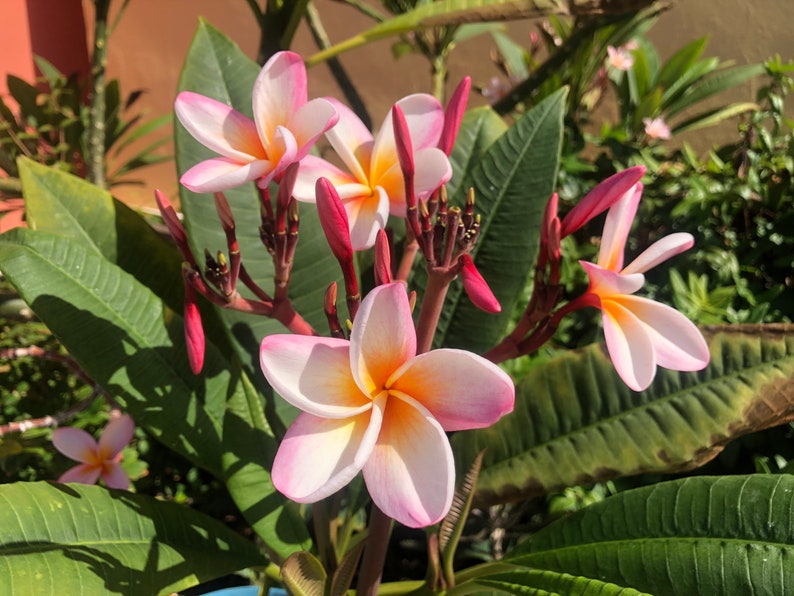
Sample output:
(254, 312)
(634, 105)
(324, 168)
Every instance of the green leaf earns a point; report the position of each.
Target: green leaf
(680, 62)
(63, 204)
(576, 423)
(700, 535)
(304, 575)
(512, 180)
(716, 83)
(542, 583)
(76, 539)
(715, 116)
(217, 68)
(480, 128)
(680, 86)
(133, 346)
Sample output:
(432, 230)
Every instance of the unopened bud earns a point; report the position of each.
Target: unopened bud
(382, 268)
(194, 331)
(453, 115)
(476, 287)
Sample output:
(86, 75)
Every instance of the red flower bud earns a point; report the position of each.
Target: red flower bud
(477, 288)
(194, 331)
(453, 115)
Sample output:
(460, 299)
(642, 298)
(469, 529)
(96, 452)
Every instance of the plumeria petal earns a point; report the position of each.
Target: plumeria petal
(660, 251)
(116, 436)
(219, 127)
(411, 473)
(629, 345)
(83, 474)
(601, 198)
(383, 336)
(313, 168)
(310, 121)
(677, 342)
(279, 89)
(367, 215)
(617, 227)
(425, 118)
(607, 283)
(313, 374)
(460, 389)
(114, 476)
(75, 444)
(352, 140)
(221, 173)
(432, 169)
(318, 456)
(284, 152)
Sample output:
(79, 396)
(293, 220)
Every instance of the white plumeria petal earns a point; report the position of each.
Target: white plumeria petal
(309, 123)
(677, 342)
(366, 215)
(219, 127)
(75, 444)
(629, 345)
(460, 389)
(284, 154)
(660, 251)
(311, 169)
(279, 90)
(410, 474)
(313, 374)
(318, 456)
(425, 118)
(604, 282)
(352, 141)
(383, 337)
(116, 436)
(220, 173)
(616, 229)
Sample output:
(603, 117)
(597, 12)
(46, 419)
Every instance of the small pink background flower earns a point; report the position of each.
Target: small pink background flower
(284, 128)
(619, 58)
(656, 128)
(97, 458)
(372, 404)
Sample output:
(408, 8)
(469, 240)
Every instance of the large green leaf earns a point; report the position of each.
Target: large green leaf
(133, 346)
(217, 68)
(575, 422)
(63, 204)
(512, 180)
(75, 539)
(480, 128)
(537, 582)
(700, 535)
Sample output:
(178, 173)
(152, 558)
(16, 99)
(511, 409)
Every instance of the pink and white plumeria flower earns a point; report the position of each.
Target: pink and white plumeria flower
(372, 404)
(640, 333)
(97, 459)
(373, 186)
(284, 128)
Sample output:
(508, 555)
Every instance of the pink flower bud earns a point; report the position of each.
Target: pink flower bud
(194, 331)
(453, 115)
(333, 219)
(382, 259)
(477, 288)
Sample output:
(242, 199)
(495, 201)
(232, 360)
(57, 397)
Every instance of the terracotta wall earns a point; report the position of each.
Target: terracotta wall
(148, 47)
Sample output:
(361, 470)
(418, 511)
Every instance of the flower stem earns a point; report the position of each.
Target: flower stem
(438, 280)
(375, 553)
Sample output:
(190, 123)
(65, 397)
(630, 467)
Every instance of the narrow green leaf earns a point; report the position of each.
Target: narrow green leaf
(575, 422)
(512, 180)
(680, 62)
(715, 116)
(76, 539)
(681, 85)
(542, 583)
(699, 535)
(716, 83)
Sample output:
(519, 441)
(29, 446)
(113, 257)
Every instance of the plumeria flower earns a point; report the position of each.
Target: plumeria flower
(97, 459)
(640, 333)
(620, 58)
(373, 186)
(656, 128)
(372, 404)
(284, 128)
